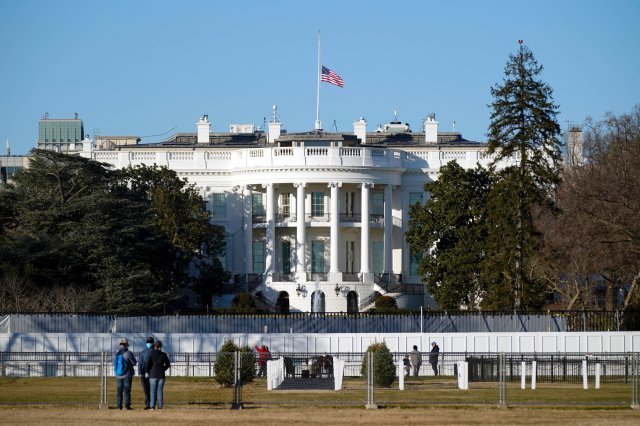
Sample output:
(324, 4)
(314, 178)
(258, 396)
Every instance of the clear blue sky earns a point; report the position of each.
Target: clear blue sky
(144, 67)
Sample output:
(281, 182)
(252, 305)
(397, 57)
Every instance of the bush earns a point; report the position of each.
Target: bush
(225, 363)
(243, 301)
(384, 370)
(386, 302)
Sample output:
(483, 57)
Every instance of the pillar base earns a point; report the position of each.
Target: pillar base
(367, 277)
(335, 277)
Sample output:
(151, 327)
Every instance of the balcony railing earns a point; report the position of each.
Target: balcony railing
(259, 218)
(350, 217)
(391, 283)
(283, 277)
(325, 217)
(376, 218)
(285, 218)
(351, 276)
(317, 276)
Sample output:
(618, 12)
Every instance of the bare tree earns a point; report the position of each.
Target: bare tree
(597, 236)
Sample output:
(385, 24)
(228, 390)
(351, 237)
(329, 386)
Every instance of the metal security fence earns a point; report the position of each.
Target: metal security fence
(333, 379)
(427, 321)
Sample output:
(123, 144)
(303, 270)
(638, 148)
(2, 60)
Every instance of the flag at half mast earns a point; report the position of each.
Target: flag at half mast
(331, 77)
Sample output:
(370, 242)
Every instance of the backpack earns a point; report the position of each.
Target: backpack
(120, 365)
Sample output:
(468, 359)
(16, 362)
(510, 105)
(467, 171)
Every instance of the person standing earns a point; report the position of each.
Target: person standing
(433, 357)
(416, 360)
(143, 373)
(263, 356)
(407, 365)
(123, 363)
(156, 365)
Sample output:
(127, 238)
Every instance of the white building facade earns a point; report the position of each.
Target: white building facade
(314, 222)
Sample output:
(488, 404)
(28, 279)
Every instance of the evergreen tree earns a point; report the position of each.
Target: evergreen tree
(524, 136)
(450, 230)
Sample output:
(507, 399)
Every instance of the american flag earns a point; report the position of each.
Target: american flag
(331, 77)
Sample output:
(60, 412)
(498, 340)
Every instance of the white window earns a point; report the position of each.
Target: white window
(285, 204)
(219, 206)
(258, 257)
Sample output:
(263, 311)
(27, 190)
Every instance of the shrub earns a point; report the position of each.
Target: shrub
(243, 301)
(386, 302)
(225, 363)
(384, 370)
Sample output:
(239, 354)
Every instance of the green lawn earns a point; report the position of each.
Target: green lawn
(205, 391)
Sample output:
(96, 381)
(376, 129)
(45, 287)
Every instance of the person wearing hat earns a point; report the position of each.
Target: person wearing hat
(433, 357)
(142, 371)
(156, 365)
(124, 380)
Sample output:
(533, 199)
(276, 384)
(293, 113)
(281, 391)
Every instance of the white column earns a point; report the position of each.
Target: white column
(334, 267)
(247, 227)
(271, 231)
(365, 268)
(301, 270)
(388, 230)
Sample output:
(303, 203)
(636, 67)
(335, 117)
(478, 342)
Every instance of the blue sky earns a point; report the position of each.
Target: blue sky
(144, 67)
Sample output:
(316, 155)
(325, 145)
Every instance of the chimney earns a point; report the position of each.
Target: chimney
(431, 129)
(274, 126)
(360, 130)
(204, 127)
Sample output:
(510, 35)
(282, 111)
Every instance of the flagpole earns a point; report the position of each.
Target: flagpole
(318, 125)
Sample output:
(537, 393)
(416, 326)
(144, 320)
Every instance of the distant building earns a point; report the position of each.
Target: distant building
(60, 134)
(10, 165)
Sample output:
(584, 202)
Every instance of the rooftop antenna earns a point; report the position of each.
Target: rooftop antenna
(454, 126)
(335, 126)
(274, 114)
(8, 149)
(395, 115)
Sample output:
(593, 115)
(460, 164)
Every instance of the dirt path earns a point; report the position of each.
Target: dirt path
(319, 416)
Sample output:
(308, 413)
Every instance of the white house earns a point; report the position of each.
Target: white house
(314, 221)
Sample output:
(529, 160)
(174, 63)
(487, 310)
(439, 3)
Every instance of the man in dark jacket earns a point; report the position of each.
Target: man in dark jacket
(156, 365)
(142, 371)
(124, 381)
(433, 357)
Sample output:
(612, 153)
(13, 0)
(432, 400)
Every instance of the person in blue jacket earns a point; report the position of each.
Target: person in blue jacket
(124, 380)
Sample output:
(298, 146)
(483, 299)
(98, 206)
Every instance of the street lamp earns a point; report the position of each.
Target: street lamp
(301, 290)
(341, 289)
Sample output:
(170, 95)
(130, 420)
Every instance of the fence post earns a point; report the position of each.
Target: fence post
(502, 381)
(534, 374)
(237, 382)
(104, 391)
(523, 375)
(371, 382)
(635, 381)
(585, 375)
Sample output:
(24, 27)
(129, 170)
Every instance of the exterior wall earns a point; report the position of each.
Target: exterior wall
(568, 342)
(241, 172)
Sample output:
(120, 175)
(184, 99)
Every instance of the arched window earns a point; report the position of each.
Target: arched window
(282, 304)
(317, 301)
(352, 302)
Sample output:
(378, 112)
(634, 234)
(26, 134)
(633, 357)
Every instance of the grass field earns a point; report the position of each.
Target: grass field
(206, 392)
(430, 401)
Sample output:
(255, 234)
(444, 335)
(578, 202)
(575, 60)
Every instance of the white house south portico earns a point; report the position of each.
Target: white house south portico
(315, 220)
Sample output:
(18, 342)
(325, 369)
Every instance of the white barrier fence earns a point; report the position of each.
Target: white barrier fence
(543, 342)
